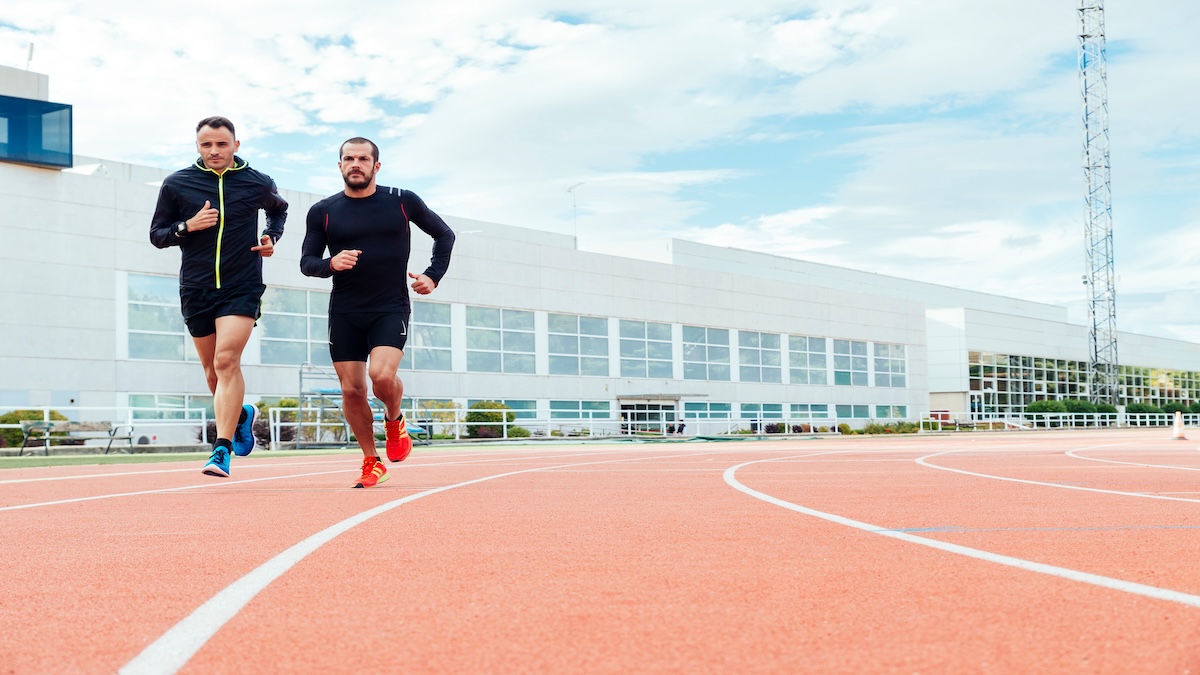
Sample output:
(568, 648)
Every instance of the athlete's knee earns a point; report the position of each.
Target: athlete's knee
(383, 378)
(354, 391)
(227, 361)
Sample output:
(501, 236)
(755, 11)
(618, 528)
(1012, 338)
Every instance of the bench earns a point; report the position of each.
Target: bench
(40, 430)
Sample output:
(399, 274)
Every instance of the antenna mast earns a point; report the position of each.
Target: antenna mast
(1103, 386)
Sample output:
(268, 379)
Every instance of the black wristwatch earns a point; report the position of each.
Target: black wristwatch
(180, 229)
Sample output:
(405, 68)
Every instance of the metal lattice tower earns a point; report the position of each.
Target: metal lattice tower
(1100, 279)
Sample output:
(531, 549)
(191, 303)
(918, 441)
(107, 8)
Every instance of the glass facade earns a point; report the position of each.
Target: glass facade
(155, 328)
(1005, 383)
(293, 331)
(646, 349)
(428, 345)
(706, 354)
(808, 360)
(295, 327)
(578, 345)
(759, 357)
(36, 132)
(499, 340)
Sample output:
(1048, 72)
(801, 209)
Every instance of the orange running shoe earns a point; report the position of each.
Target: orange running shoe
(373, 473)
(399, 443)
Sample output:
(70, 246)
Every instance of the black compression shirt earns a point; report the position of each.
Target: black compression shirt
(377, 226)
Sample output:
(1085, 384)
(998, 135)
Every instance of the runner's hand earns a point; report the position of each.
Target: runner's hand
(345, 260)
(205, 218)
(266, 247)
(422, 284)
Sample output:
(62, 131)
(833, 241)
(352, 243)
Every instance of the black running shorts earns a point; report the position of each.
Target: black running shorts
(353, 335)
(202, 306)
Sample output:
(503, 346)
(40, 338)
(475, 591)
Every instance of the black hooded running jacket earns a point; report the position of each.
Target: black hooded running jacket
(220, 256)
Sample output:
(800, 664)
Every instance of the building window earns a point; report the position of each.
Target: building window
(705, 353)
(762, 411)
(808, 360)
(845, 412)
(850, 363)
(759, 357)
(646, 350)
(170, 407)
(889, 365)
(295, 327)
(155, 326)
(580, 410)
(810, 411)
(891, 412)
(706, 410)
(499, 340)
(578, 345)
(428, 345)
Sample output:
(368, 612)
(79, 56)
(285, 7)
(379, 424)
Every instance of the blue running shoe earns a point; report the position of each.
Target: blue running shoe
(243, 435)
(218, 463)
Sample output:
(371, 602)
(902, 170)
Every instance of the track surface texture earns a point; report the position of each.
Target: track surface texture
(1047, 552)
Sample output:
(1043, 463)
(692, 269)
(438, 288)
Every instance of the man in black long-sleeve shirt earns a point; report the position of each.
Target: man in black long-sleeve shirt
(210, 211)
(366, 231)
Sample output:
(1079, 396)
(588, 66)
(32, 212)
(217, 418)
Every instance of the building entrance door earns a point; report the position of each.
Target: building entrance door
(647, 416)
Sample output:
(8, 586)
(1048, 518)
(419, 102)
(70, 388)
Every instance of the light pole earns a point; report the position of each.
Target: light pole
(575, 211)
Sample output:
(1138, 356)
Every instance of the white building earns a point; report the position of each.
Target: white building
(717, 338)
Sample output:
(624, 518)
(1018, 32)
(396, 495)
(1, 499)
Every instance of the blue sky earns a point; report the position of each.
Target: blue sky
(937, 140)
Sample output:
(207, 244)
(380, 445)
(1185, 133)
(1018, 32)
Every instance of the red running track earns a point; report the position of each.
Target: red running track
(1017, 552)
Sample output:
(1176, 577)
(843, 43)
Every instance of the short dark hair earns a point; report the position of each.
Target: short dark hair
(216, 123)
(359, 139)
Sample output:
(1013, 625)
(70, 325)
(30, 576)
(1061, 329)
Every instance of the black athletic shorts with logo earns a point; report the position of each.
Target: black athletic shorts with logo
(352, 335)
(202, 306)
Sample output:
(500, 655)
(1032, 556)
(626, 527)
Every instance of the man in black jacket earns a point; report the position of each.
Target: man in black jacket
(210, 211)
(365, 227)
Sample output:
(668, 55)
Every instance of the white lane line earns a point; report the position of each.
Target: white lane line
(1072, 453)
(151, 472)
(199, 486)
(1019, 563)
(465, 459)
(176, 647)
(1146, 495)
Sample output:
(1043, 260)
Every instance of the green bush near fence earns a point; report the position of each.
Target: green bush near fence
(485, 419)
(11, 438)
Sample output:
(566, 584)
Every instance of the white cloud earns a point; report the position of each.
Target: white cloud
(932, 139)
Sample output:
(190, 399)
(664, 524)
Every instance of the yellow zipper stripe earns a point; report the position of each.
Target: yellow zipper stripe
(221, 227)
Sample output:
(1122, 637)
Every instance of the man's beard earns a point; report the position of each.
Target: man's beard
(359, 180)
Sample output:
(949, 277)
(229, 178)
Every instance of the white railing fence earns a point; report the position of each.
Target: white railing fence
(323, 425)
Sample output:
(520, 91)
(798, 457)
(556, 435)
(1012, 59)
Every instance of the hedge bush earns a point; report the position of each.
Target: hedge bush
(485, 419)
(11, 438)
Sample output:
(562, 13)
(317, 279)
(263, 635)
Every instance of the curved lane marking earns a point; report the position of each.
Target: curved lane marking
(922, 461)
(1071, 453)
(176, 647)
(1019, 563)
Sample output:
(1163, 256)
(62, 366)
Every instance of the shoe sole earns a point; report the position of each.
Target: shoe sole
(251, 418)
(382, 479)
(214, 470)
